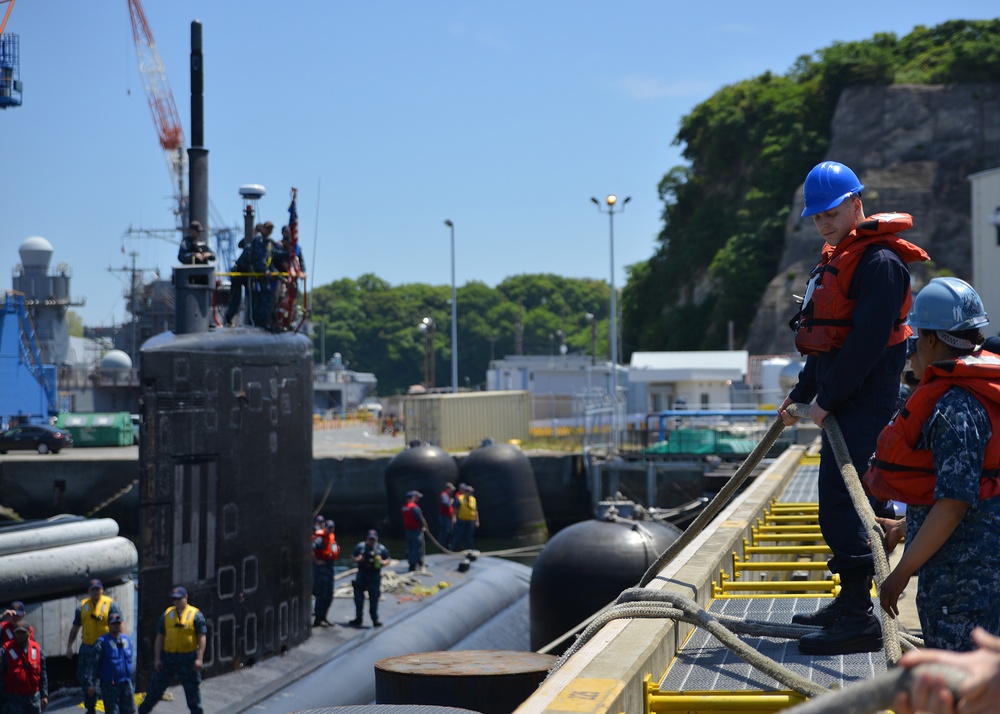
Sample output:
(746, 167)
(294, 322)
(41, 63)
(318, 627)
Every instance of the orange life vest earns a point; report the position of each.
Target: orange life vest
(410, 520)
(328, 548)
(901, 472)
(23, 669)
(825, 318)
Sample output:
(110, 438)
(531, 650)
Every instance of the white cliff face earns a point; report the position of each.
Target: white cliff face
(913, 146)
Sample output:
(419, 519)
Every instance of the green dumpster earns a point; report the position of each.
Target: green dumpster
(702, 442)
(98, 428)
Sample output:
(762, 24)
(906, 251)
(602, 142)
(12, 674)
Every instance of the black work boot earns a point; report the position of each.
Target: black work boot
(855, 629)
(826, 615)
(855, 590)
(852, 632)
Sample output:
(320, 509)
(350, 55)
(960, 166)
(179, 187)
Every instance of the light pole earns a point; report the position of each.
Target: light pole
(611, 200)
(427, 327)
(454, 314)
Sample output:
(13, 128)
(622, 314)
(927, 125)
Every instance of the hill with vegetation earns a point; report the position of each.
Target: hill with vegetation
(727, 214)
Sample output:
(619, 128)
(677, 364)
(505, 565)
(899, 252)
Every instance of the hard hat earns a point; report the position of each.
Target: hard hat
(826, 187)
(949, 305)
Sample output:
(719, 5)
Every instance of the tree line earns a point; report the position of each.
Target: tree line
(376, 327)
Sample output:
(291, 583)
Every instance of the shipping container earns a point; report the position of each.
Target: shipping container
(464, 420)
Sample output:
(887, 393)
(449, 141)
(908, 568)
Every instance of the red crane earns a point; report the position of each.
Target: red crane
(3, 23)
(161, 104)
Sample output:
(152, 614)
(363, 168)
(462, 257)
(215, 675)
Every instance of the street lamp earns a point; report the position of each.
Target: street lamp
(454, 314)
(427, 327)
(611, 200)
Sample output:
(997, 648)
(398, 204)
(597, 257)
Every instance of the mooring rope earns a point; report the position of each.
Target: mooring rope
(111, 499)
(640, 602)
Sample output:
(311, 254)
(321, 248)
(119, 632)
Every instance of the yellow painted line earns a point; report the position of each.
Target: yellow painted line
(733, 524)
(587, 694)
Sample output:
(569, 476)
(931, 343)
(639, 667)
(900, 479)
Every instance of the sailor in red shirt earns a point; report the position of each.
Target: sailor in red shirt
(415, 526)
(446, 514)
(24, 679)
(325, 554)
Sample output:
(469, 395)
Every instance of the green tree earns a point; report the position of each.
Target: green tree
(75, 323)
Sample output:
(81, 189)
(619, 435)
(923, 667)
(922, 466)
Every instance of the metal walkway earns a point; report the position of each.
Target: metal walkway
(781, 572)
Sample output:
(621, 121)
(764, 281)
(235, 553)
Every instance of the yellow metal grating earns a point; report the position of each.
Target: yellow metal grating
(783, 543)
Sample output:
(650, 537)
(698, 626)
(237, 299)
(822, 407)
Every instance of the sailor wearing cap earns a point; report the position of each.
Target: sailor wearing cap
(325, 555)
(24, 679)
(179, 650)
(194, 249)
(10, 618)
(466, 517)
(113, 657)
(370, 556)
(92, 618)
(415, 526)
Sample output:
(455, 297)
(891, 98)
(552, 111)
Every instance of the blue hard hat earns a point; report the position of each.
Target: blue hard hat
(826, 187)
(949, 305)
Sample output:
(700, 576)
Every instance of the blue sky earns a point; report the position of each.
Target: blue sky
(389, 117)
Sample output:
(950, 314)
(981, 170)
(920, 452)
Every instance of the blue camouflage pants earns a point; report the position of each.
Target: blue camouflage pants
(371, 583)
(465, 531)
(119, 697)
(322, 588)
(180, 665)
(445, 528)
(955, 597)
(415, 548)
(85, 665)
(17, 704)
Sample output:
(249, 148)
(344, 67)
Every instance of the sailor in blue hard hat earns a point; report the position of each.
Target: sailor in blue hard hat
(827, 186)
(851, 326)
(937, 456)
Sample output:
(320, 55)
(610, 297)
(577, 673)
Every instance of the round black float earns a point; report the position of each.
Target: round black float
(506, 492)
(586, 566)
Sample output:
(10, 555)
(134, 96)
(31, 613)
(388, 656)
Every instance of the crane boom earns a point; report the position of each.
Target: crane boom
(161, 103)
(6, 15)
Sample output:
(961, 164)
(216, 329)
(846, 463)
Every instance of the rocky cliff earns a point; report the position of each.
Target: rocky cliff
(913, 146)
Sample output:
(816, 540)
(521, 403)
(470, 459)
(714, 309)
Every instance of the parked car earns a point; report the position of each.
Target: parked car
(43, 439)
(371, 405)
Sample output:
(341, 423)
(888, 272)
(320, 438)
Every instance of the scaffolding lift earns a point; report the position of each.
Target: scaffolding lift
(10, 64)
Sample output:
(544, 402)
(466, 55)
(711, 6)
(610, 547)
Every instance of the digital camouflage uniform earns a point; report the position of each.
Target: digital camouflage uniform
(959, 586)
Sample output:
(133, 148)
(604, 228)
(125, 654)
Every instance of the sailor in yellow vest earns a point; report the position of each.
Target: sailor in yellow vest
(179, 650)
(92, 618)
(466, 518)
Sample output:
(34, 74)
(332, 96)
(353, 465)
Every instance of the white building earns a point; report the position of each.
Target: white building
(986, 243)
(697, 380)
(554, 381)
(654, 381)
